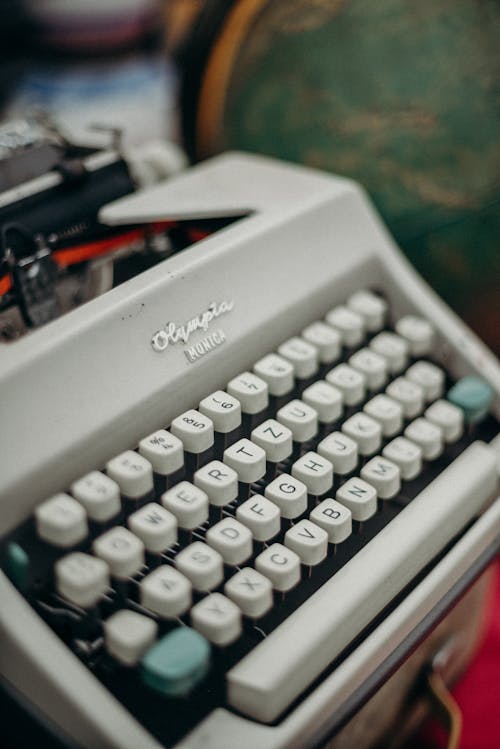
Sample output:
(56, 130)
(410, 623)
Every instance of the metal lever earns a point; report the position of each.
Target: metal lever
(444, 706)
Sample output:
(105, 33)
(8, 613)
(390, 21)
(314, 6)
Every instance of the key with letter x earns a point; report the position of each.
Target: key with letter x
(251, 591)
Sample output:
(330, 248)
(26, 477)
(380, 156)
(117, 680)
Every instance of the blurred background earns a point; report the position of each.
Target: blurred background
(88, 63)
(404, 97)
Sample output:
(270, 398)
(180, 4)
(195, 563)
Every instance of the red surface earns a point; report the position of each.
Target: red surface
(478, 691)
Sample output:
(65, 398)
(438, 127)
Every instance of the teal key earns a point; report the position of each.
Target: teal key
(473, 395)
(17, 565)
(177, 662)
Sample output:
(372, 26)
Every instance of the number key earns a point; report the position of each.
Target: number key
(195, 430)
(132, 473)
(223, 409)
(164, 451)
(99, 494)
(251, 391)
(277, 372)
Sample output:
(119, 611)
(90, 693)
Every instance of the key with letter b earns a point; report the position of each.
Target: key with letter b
(334, 518)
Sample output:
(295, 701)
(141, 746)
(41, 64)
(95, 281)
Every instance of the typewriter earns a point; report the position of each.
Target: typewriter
(238, 489)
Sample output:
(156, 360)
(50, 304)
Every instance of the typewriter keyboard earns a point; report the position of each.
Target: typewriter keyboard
(164, 567)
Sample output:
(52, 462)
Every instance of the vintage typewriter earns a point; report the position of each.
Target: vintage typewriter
(239, 488)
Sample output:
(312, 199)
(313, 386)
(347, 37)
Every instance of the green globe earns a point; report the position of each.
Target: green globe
(403, 97)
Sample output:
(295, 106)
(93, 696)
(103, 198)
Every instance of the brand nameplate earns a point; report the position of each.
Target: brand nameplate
(207, 344)
(173, 333)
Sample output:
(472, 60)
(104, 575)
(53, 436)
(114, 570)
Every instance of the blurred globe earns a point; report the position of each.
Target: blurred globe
(403, 97)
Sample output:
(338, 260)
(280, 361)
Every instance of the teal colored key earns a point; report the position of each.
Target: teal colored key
(17, 565)
(177, 662)
(473, 395)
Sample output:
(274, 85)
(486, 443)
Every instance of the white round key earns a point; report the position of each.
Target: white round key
(276, 372)
(289, 494)
(280, 565)
(202, 565)
(301, 419)
(122, 551)
(388, 413)
(251, 592)
(341, 451)
(383, 475)
(334, 518)
(393, 348)
(127, 635)
(232, 540)
(155, 526)
(448, 417)
(218, 481)
(405, 454)
(307, 540)
(132, 472)
(81, 578)
(359, 497)
(302, 355)
(217, 618)
(223, 409)
(349, 324)
(188, 503)
(408, 394)
(418, 332)
(99, 495)
(427, 436)
(371, 307)
(349, 381)
(251, 391)
(365, 431)
(166, 592)
(315, 471)
(261, 516)
(326, 339)
(429, 377)
(372, 366)
(195, 430)
(274, 438)
(247, 459)
(61, 521)
(164, 451)
(326, 400)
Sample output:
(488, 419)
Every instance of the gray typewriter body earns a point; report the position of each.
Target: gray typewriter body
(95, 382)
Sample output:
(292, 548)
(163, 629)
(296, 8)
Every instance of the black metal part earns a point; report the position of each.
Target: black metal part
(70, 209)
(26, 726)
(33, 283)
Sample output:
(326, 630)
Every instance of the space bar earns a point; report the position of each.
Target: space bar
(282, 666)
